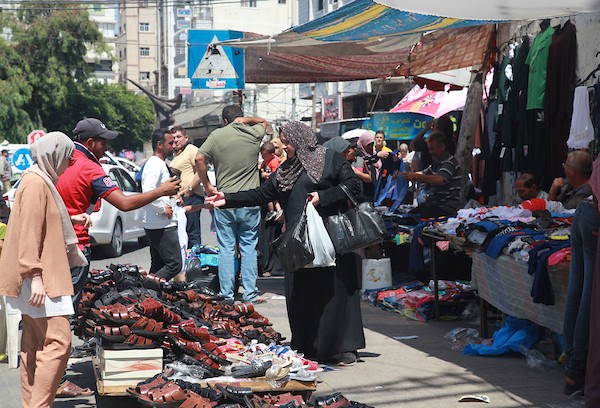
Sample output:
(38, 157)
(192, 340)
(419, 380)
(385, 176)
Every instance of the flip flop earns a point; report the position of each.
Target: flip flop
(68, 390)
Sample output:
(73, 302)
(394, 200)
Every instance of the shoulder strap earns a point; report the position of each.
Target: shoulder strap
(349, 194)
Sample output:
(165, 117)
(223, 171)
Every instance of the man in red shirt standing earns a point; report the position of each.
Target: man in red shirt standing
(86, 182)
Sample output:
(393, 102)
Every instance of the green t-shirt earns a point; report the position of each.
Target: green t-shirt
(537, 59)
(233, 150)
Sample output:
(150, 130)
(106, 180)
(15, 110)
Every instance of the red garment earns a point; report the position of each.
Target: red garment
(81, 185)
(273, 164)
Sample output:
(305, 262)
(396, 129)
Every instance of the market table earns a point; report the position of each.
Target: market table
(505, 284)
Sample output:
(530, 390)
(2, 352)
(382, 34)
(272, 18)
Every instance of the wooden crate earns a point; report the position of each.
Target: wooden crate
(117, 370)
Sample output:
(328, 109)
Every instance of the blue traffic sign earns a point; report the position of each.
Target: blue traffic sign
(22, 159)
(211, 65)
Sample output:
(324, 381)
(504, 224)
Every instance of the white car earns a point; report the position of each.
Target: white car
(128, 165)
(111, 226)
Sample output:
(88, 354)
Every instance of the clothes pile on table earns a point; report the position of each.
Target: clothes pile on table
(415, 300)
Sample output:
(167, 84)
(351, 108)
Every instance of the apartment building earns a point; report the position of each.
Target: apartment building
(102, 64)
(138, 51)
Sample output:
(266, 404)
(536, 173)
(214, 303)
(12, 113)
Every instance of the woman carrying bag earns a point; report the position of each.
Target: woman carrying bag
(323, 303)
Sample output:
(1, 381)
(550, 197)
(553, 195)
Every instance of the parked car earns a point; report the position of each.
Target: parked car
(128, 165)
(111, 226)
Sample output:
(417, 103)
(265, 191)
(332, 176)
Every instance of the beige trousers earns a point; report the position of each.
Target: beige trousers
(45, 349)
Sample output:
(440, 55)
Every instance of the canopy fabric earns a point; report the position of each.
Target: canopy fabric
(438, 51)
(366, 19)
(368, 39)
(496, 9)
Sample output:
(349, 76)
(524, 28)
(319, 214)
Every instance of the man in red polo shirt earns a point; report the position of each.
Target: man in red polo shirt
(86, 182)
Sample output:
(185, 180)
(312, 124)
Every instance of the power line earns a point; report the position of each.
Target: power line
(168, 3)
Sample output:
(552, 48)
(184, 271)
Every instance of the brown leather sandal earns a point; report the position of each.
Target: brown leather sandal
(113, 334)
(143, 387)
(147, 327)
(199, 334)
(69, 390)
(168, 395)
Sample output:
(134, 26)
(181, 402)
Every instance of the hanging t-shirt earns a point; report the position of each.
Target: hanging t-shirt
(537, 59)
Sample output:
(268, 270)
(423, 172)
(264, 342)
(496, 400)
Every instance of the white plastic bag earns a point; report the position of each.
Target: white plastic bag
(319, 239)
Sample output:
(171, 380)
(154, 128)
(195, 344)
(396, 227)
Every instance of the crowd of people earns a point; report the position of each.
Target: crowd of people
(263, 181)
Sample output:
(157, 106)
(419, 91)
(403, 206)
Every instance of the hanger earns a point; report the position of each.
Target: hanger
(545, 23)
(590, 75)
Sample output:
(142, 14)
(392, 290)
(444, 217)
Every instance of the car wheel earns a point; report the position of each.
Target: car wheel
(115, 248)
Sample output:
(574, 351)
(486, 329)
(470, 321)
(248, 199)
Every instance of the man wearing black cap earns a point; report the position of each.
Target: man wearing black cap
(85, 182)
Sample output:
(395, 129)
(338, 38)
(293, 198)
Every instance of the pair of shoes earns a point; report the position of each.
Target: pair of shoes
(348, 358)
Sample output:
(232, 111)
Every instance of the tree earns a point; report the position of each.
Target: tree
(52, 40)
(15, 91)
(130, 114)
(46, 83)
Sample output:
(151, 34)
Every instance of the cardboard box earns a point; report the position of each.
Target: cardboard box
(128, 367)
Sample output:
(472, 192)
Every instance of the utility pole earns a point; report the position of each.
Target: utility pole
(314, 107)
(158, 47)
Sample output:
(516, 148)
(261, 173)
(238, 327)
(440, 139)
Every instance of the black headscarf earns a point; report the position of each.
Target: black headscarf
(309, 156)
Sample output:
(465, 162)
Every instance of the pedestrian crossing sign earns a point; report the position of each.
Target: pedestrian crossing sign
(211, 65)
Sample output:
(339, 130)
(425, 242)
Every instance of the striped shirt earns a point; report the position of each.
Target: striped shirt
(447, 195)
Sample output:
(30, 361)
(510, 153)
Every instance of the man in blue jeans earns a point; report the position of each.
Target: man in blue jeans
(584, 238)
(234, 150)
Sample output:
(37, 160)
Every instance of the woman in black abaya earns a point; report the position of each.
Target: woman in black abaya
(323, 303)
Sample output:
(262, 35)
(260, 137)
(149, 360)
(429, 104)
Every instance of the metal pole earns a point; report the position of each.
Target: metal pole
(314, 107)
(158, 47)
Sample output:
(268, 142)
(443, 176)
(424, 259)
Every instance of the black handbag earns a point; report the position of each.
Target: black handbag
(293, 247)
(356, 228)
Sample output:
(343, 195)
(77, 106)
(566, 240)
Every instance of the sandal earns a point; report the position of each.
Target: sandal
(168, 395)
(199, 334)
(196, 401)
(205, 392)
(119, 314)
(113, 334)
(146, 385)
(108, 299)
(257, 368)
(213, 351)
(237, 394)
(148, 328)
(246, 308)
(135, 341)
(68, 390)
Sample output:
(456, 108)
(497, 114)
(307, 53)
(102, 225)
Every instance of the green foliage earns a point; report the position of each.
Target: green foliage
(45, 81)
(130, 114)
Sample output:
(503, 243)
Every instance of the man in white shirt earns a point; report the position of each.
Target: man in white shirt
(160, 226)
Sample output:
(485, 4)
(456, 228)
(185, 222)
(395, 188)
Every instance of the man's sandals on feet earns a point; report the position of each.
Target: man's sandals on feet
(68, 390)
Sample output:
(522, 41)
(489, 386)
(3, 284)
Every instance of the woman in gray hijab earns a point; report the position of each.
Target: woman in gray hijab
(39, 249)
(323, 304)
